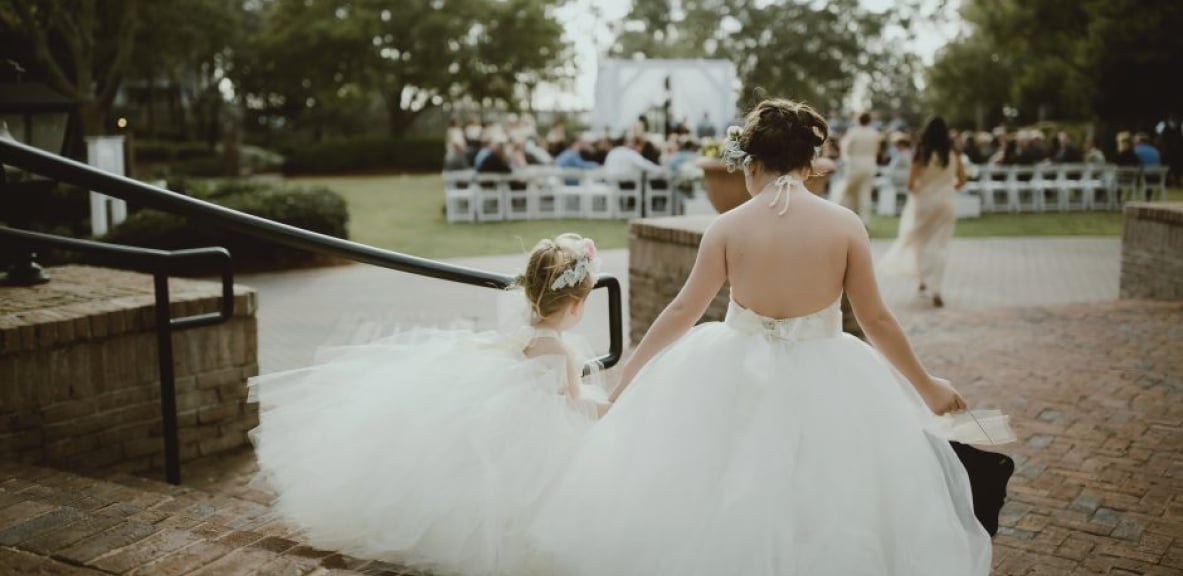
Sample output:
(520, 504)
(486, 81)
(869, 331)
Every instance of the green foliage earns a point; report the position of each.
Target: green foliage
(365, 155)
(1062, 59)
(807, 51)
(168, 151)
(317, 209)
(316, 60)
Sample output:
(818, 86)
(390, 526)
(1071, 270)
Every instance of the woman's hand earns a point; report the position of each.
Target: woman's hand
(941, 397)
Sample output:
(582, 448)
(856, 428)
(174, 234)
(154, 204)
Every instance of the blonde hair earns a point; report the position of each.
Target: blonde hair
(549, 260)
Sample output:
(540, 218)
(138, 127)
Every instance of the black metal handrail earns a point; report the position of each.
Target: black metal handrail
(162, 264)
(87, 177)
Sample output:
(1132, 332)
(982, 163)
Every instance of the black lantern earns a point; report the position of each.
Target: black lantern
(34, 114)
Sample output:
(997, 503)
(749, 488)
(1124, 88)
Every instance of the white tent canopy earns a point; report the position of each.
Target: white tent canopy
(626, 89)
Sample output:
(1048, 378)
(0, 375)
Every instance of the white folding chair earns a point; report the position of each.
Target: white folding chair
(518, 202)
(490, 197)
(544, 197)
(459, 196)
(1024, 194)
(627, 203)
(1073, 180)
(659, 196)
(1126, 184)
(994, 184)
(1154, 183)
(1045, 185)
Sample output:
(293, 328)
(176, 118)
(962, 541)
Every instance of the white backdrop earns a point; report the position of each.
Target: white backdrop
(625, 89)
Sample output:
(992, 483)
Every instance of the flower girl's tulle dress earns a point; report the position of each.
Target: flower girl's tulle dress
(764, 447)
(430, 448)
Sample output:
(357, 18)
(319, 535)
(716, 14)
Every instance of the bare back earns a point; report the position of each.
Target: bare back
(784, 266)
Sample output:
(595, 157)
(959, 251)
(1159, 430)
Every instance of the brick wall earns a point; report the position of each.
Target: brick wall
(661, 252)
(79, 380)
(1152, 251)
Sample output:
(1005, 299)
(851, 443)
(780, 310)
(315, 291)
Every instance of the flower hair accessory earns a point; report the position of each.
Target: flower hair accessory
(733, 155)
(585, 263)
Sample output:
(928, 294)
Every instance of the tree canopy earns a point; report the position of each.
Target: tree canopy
(808, 51)
(1061, 59)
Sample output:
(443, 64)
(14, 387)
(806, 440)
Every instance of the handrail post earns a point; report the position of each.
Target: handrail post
(168, 385)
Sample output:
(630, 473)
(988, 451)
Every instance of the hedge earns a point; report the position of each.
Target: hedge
(317, 209)
(169, 151)
(366, 154)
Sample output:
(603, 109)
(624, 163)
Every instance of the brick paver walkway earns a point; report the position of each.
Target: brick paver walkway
(1094, 391)
(61, 524)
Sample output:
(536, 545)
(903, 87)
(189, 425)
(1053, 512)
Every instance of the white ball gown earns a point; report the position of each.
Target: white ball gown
(765, 447)
(428, 448)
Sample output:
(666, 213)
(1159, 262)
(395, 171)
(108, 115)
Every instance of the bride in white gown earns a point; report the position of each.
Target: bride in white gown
(771, 443)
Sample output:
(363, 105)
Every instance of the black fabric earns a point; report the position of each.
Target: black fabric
(989, 473)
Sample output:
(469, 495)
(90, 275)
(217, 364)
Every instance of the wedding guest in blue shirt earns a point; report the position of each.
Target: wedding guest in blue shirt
(572, 157)
(1145, 151)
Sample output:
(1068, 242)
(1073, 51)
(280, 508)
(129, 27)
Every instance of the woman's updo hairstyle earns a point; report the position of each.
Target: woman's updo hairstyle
(547, 290)
(783, 135)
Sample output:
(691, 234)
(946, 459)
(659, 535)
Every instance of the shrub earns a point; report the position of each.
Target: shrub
(169, 151)
(366, 154)
(316, 209)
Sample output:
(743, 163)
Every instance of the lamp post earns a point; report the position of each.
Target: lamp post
(36, 115)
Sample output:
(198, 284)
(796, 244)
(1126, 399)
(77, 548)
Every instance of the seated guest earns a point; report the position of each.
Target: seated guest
(572, 157)
(535, 154)
(1092, 154)
(1125, 151)
(625, 162)
(455, 148)
(493, 158)
(1068, 152)
(687, 151)
(1145, 151)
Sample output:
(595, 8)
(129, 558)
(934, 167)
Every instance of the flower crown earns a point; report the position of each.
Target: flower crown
(585, 263)
(734, 156)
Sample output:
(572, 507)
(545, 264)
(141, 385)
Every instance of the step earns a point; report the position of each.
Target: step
(56, 522)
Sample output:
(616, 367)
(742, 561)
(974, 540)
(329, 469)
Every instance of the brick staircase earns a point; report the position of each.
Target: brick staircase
(59, 523)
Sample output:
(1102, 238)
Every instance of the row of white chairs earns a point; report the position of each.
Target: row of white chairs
(551, 193)
(1042, 188)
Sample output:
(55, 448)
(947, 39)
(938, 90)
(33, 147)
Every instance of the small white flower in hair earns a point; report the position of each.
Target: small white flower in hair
(734, 156)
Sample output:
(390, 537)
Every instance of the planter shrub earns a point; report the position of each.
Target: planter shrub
(317, 209)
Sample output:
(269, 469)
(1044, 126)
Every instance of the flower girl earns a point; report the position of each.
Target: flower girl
(431, 448)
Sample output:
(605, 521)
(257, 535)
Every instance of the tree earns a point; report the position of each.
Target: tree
(194, 46)
(318, 53)
(1064, 59)
(804, 50)
(82, 48)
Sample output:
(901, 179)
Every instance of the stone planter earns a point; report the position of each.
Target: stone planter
(724, 189)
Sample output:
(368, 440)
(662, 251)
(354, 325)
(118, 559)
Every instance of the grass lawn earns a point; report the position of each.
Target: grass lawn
(405, 213)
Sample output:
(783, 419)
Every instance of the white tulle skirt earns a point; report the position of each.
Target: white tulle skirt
(762, 447)
(429, 448)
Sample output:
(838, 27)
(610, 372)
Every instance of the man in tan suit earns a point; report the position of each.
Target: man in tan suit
(859, 148)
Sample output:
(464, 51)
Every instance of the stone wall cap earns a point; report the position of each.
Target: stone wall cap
(1169, 212)
(120, 301)
(687, 230)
